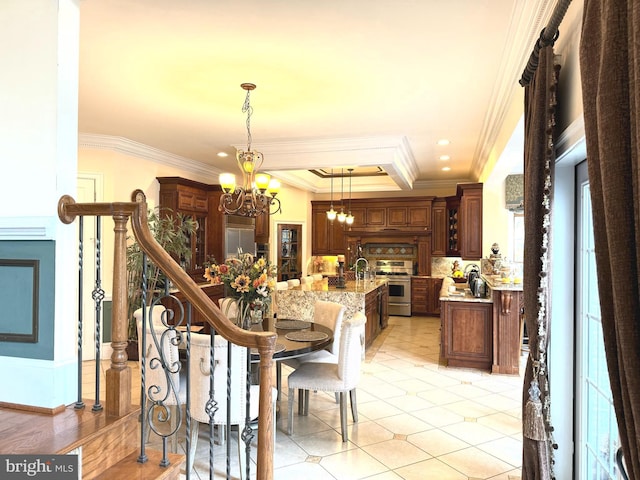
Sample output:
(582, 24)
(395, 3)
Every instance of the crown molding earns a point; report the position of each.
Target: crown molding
(528, 19)
(140, 150)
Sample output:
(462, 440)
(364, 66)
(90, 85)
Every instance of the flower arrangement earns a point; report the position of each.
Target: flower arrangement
(246, 279)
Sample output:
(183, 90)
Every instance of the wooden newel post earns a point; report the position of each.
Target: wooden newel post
(118, 402)
(266, 435)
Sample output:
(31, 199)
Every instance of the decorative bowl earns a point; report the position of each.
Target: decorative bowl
(459, 279)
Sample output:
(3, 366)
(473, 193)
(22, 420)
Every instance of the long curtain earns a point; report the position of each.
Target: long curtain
(610, 75)
(539, 159)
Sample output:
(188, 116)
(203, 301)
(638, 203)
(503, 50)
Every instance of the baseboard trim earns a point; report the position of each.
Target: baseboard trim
(33, 408)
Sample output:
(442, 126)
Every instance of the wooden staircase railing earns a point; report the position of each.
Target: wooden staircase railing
(118, 376)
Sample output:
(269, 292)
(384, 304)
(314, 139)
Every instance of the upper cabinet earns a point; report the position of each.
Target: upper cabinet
(470, 221)
(372, 216)
(457, 223)
(327, 237)
(192, 199)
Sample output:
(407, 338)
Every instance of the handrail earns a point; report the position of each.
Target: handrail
(119, 397)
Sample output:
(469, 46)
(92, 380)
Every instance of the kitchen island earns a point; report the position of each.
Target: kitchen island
(481, 332)
(370, 298)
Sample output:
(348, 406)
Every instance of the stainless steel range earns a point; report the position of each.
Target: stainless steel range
(398, 274)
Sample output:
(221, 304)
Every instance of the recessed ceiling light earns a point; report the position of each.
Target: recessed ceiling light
(446, 169)
(223, 154)
(443, 141)
(445, 157)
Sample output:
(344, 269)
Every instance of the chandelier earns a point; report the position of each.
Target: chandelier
(257, 195)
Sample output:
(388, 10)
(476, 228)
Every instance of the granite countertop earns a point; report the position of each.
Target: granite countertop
(462, 293)
(350, 287)
(495, 283)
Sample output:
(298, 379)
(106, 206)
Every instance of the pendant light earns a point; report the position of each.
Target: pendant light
(331, 214)
(342, 216)
(349, 219)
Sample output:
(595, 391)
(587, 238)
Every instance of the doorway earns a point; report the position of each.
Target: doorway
(89, 190)
(289, 251)
(597, 429)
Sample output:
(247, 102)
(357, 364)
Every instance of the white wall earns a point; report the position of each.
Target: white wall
(38, 146)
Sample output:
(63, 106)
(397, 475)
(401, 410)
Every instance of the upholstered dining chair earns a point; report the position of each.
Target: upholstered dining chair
(293, 282)
(229, 398)
(317, 277)
(307, 279)
(341, 377)
(329, 314)
(165, 389)
(229, 307)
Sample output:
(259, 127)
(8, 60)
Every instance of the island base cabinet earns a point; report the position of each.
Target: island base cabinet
(507, 342)
(466, 337)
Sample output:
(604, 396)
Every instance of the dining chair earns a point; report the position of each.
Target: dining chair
(308, 279)
(229, 390)
(341, 377)
(166, 389)
(317, 277)
(283, 285)
(294, 282)
(229, 307)
(329, 314)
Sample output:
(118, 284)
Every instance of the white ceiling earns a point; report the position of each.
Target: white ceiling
(340, 83)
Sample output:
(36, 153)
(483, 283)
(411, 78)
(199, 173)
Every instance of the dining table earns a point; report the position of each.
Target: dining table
(295, 337)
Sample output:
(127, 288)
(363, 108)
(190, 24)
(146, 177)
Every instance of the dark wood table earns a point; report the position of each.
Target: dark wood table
(286, 348)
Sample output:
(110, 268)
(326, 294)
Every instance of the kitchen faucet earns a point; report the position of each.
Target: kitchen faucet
(366, 268)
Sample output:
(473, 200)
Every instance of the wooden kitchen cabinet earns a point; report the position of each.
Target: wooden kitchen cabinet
(214, 292)
(453, 226)
(327, 238)
(418, 296)
(470, 221)
(467, 334)
(457, 223)
(262, 228)
(434, 285)
(439, 227)
(372, 310)
(192, 199)
(425, 295)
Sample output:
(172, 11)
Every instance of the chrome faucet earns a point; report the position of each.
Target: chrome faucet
(366, 268)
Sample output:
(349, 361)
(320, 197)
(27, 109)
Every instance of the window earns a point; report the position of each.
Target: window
(597, 430)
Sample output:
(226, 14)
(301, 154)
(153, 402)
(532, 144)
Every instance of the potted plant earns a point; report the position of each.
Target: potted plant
(173, 232)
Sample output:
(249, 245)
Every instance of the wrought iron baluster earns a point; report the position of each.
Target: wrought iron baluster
(79, 403)
(142, 458)
(98, 296)
(211, 406)
(228, 423)
(247, 432)
(188, 384)
(161, 398)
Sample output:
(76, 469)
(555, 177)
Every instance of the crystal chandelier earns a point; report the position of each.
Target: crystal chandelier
(257, 195)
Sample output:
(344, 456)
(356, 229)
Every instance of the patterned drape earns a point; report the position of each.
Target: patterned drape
(539, 159)
(610, 74)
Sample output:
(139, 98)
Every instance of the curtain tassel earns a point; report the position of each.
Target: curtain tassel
(533, 426)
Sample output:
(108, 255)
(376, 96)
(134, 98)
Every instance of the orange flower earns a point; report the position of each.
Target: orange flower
(241, 284)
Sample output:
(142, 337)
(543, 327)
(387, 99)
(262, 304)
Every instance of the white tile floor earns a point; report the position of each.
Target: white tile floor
(417, 419)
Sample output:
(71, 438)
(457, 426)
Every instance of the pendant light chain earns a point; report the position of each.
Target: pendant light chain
(331, 214)
(246, 108)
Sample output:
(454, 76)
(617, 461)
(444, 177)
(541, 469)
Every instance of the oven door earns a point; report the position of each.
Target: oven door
(399, 295)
